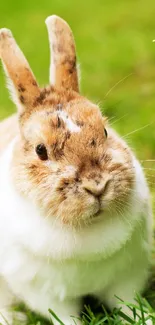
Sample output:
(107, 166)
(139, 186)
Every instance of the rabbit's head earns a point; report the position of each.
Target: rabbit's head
(67, 160)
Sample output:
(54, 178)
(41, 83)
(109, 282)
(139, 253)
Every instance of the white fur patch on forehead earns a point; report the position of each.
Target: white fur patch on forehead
(71, 126)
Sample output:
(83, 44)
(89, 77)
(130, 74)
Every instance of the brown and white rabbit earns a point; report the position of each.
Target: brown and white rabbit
(75, 214)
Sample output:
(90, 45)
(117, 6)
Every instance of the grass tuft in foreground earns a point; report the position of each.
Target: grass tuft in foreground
(141, 312)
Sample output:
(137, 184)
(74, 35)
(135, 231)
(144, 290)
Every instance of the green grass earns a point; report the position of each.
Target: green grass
(140, 311)
(114, 40)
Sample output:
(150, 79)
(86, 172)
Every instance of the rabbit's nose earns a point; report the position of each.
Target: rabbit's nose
(95, 188)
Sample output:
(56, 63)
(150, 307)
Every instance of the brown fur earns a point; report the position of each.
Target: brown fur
(63, 54)
(18, 71)
(85, 170)
(51, 186)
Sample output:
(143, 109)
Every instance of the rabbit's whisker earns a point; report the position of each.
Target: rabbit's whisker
(139, 129)
(116, 84)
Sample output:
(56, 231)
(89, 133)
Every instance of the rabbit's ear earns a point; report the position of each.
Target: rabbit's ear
(63, 69)
(21, 81)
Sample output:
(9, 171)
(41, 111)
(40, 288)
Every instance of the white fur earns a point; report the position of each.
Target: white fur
(12, 90)
(52, 73)
(72, 127)
(50, 266)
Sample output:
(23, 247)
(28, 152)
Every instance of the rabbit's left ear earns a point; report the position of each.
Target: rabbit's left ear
(21, 81)
(63, 69)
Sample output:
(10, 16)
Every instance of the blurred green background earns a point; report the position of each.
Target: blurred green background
(114, 42)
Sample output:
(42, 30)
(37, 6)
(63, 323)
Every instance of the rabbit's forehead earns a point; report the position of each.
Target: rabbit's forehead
(50, 123)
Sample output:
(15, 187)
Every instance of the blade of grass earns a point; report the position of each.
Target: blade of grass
(141, 304)
(55, 316)
(108, 317)
(126, 317)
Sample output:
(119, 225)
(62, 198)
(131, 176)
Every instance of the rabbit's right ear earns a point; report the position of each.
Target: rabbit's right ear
(21, 81)
(63, 69)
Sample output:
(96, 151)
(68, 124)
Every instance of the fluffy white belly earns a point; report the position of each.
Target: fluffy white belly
(33, 276)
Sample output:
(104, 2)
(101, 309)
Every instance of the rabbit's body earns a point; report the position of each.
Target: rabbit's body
(75, 215)
(44, 263)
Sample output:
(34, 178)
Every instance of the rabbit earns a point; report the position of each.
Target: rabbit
(75, 216)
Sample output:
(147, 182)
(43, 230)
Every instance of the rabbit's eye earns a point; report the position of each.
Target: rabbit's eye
(106, 133)
(41, 151)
